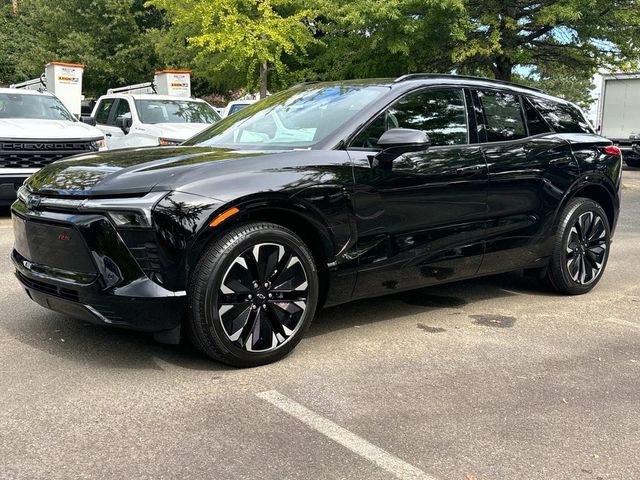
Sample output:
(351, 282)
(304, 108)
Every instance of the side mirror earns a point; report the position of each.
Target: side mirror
(398, 141)
(124, 122)
(88, 120)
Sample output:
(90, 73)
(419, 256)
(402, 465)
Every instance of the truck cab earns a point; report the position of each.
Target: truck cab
(36, 129)
(140, 120)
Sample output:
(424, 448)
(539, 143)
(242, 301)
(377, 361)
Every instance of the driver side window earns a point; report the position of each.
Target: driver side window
(122, 110)
(440, 113)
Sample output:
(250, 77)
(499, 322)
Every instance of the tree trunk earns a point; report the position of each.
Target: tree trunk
(503, 68)
(264, 69)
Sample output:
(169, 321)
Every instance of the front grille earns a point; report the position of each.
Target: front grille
(19, 154)
(49, 288)
(147, 257)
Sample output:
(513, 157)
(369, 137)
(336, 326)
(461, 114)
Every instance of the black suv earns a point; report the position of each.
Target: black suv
(319, 195)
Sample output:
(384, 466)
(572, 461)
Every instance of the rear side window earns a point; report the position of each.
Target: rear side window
(563, 117)
(503, 116)
(102, 115)
(535, 122)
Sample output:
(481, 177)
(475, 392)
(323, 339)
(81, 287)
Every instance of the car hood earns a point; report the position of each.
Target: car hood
(137, 171)
(36, 129)
(177, 131)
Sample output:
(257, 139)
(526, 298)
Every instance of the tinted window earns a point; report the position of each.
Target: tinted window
(24, 105)
(564, 118)
(237, 107)
(503, 116)
(439, 113)
(122, 110)
(535, 122)
(175, 111)
(102, 114)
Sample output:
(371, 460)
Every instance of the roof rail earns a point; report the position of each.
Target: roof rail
(418, 76)
(39, 84)
(130, 88)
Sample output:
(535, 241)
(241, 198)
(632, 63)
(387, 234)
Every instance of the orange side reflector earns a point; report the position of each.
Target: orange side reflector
(223, 216)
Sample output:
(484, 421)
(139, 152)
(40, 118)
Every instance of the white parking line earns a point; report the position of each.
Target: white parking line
(344, 437)
(619, 321)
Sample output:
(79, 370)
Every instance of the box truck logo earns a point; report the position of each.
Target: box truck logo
(69, 75)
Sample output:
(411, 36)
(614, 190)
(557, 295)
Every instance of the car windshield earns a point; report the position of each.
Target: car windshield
(298, 117)
(237, 107)
(23, 105)
(175, 111)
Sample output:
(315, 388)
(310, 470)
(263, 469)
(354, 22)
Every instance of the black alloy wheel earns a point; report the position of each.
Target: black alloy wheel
(587, 248)
(253, 294)
(582, 246)
(262, 297)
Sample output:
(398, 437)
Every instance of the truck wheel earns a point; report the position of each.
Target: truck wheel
(252, 295)
(581, 248)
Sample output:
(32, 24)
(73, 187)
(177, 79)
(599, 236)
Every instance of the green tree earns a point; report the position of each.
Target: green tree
(108, 36)
(557, 44)
(235, 37)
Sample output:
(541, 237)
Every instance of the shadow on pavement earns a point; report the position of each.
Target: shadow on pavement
(453, 296)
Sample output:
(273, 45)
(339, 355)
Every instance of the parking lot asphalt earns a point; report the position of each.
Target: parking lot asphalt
(487, 379)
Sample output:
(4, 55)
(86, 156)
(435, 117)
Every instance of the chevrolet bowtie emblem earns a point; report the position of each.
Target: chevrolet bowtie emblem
(33, 201)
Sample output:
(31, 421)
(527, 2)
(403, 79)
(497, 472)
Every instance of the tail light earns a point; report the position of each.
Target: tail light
(612, 150)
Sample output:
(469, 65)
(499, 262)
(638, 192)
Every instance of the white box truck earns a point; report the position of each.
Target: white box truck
(619, 113)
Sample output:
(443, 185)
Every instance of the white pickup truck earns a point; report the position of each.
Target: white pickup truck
(139, 120)
(37, 129)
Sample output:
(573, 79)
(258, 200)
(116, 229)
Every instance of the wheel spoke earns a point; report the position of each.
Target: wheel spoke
(237, 279)
(234, 317)
(573, 266)
(267, 257)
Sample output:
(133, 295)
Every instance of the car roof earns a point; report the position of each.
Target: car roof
(24, 91)
(416, 80)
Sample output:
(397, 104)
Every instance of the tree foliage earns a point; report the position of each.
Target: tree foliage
(108, 36)
(555, 44)
(241, 36)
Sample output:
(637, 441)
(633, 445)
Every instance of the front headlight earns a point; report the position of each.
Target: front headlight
(99, 145)
(124, 212)
(169, 142)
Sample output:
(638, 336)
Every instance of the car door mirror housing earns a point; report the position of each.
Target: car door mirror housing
(124, 123)
(89, 120)
(398, 141)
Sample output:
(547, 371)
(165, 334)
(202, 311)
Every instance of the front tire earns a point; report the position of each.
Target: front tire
(252, 295)
(581, 248)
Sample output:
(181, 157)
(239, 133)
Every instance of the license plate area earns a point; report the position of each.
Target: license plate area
(52, 245)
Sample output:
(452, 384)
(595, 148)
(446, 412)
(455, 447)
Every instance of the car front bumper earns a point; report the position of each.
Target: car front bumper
(77, 264)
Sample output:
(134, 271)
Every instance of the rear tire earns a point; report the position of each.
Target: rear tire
(252, 295)
(581, 248)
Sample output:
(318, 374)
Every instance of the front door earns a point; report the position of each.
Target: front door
(108, 110)
(420, 218)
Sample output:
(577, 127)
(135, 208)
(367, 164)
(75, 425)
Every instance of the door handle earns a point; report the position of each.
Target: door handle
(468, 171)
(561, 162)
(107, 134)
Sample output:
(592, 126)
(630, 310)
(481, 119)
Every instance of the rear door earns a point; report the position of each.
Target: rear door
(420, 219)
(530, 168)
